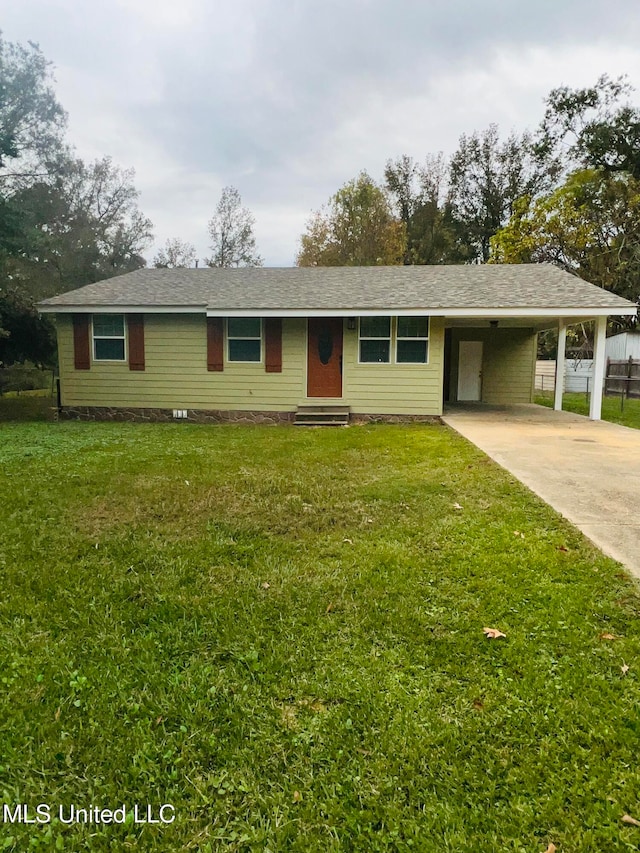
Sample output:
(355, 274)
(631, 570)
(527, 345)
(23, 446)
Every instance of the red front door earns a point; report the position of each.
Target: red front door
(324, 357)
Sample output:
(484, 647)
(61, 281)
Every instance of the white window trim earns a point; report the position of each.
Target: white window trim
(237, 338)
(122, 337)
(421, 338)
(393, 343)
(385, 338)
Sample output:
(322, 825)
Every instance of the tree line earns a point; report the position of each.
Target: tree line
(567, 192)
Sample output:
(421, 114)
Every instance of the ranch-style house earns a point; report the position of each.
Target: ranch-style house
(313, 344)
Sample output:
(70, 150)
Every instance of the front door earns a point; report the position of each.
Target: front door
(324, 357)
(470, 371)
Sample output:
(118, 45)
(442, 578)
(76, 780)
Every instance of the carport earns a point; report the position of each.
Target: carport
(587, 470)
(493, 360)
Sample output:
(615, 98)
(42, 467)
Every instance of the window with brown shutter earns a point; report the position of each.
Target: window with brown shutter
(109, 332)
(135, 329)
(273, 345)
(215, 344)
(244, 339)
(81, 357)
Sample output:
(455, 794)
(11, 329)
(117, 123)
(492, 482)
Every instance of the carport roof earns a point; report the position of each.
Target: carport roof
(464, 290)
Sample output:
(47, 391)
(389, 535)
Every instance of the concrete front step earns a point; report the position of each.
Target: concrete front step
(325, 409)
(322, 416)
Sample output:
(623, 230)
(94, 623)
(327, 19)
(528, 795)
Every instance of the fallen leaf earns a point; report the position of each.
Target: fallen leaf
(624, 669)
(289, 718)
(329, 607)
(551, 848)
(607, 636)
(297, 796)
(561, 548)
(517, 533)
(159, 720)
(478, 705)
(493, 633)
(349, 541)
(266, 585)
(187, 483)
(56, 716)
(626, 818)
(457, 506)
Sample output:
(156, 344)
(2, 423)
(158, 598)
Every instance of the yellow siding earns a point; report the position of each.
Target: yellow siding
(176, 374)
(508, 363)
(401, 389)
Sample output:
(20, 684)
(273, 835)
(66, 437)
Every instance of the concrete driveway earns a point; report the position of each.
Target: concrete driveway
(589, 471)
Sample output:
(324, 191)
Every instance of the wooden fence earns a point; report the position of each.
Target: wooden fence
(622, 378)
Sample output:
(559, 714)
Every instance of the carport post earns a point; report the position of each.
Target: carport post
(595, 407)
(562, 343)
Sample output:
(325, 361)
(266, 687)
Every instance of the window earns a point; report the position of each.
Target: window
(412, 340)
(244, 335)
(108, 337)
(375, 339)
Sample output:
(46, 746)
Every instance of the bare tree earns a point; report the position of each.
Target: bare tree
(175, 254)
(231, 231)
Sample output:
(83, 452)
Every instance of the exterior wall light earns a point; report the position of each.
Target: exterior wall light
(351, 323)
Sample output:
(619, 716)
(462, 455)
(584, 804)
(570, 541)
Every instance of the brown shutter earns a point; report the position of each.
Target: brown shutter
(215, 344)
(81, 357)
(135, 329)
(273, 345)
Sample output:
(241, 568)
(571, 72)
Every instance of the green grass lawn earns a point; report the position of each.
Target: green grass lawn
(279, 632)
(628, 415)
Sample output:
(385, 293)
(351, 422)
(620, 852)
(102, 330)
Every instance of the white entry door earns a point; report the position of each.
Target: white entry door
(470, 371)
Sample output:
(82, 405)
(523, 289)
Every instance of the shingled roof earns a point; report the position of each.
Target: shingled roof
(344, 290)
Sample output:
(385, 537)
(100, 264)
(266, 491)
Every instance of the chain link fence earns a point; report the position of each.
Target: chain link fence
(19, 380)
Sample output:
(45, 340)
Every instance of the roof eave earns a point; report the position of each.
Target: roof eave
(492, 313)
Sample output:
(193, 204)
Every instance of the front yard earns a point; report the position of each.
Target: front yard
(280, 634)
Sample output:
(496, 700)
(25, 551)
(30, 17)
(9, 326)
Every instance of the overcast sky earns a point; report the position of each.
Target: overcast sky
(288, 99)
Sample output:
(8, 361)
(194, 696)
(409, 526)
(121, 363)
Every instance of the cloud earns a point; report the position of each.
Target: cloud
(286, 99)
